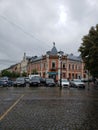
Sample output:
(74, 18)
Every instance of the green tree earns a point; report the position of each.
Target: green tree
(15, 74)
(5, 73)
(24, 74)
(89, 51)
(10, 74)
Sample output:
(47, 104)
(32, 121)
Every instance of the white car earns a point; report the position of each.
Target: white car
(64, 83)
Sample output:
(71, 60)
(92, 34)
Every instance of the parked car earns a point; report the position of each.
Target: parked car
(10, 83)
(50, 82)
(3, 82)
(27, 79)
(34, 81)
(4, 78)
(42, 81)
(20, 82)
(84, 80)
(64, 83)
(77, 83)
(96, 84)
(6, 82)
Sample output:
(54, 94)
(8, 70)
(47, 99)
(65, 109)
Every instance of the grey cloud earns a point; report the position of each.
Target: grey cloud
(37, 24)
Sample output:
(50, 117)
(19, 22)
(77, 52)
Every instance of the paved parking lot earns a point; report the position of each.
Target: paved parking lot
(44, 108)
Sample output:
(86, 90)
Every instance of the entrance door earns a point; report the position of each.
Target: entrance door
(53, 76)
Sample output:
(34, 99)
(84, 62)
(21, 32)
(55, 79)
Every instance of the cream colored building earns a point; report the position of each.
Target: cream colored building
(24, 64)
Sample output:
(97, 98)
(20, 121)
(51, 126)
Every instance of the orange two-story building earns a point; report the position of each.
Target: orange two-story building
(55, 64)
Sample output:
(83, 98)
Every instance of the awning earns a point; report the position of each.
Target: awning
(52, 73)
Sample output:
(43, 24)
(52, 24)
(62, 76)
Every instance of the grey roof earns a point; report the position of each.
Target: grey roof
(48, 52)
(54, 51)
(28, 57)
(61, 53)
(73, 57)
(35, 58)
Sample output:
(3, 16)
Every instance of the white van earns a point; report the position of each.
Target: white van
(33, 75)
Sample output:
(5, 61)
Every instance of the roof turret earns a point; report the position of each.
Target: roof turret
(53, 50)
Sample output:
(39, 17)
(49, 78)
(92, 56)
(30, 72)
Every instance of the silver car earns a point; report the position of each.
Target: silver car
(20, 82)
(77, 83)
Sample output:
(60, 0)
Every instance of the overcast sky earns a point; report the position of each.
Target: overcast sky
(32, 26)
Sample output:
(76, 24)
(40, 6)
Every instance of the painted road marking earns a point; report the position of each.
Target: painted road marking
(11, 107)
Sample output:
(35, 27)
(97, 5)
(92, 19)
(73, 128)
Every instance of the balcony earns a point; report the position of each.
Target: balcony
(63, 68)
(53, 69)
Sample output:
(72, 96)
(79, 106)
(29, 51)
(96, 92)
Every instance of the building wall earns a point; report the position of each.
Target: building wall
(75, 69)
(46, 69)
(52, 65)
(14, 68)
(24, 66)
(53, 69)
(70, 68)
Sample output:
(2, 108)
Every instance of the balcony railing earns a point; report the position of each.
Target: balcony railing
(53, 69)
(63, 68)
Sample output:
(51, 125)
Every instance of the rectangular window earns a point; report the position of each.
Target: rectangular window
(53, 64)
(64, 66)
(44, 65)
(69, 66)
(76, 67)
(73, 67)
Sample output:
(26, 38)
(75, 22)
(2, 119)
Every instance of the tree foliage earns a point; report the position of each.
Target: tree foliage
(9, 74)
(89, 51)
(24, 74)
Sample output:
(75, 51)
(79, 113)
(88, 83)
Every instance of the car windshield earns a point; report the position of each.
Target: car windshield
(64, 80)
(35, 79)
(4, 79)
(20, 79)
(77, 80)
(27, 78)
(49, 80)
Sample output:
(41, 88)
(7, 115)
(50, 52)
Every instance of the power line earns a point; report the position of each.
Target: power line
(20, 28)
(7, 61)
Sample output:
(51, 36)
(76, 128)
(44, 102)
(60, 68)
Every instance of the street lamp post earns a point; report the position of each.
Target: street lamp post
(60, 67)
(60, 73)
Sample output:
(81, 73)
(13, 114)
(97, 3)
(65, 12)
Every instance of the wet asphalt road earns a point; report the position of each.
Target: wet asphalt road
(44, 108)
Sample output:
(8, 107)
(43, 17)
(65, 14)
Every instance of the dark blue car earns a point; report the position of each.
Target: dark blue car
(3, 83)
